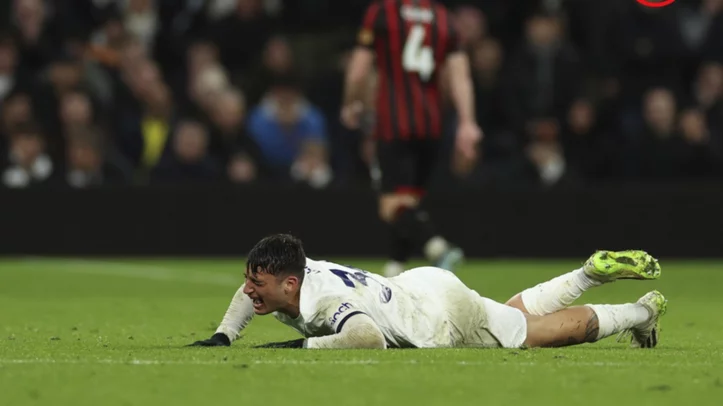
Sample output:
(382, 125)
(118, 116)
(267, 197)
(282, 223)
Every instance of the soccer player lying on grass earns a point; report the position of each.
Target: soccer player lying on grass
(336, 306)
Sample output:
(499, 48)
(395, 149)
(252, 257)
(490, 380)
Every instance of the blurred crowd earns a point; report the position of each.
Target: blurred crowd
(107, 92)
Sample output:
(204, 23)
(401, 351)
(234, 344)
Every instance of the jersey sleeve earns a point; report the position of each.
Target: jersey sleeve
(454, 42)
(335, 311)
(372, 26)
(237, 317)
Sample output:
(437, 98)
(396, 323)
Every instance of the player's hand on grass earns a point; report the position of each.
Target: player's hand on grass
(217, 340)
(299, 343)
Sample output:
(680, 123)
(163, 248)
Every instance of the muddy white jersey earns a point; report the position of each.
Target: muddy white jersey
(412, 309)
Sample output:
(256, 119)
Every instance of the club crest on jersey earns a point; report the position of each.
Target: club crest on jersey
(343, 308)
(385, 295)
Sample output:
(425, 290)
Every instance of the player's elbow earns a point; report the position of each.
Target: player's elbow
(362, 332)
(458, 67)
(374, 339)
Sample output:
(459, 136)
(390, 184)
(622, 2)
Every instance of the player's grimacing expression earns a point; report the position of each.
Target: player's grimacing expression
(269, 292)
(274, 271)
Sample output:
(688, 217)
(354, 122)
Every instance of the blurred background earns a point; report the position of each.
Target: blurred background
(593, 112)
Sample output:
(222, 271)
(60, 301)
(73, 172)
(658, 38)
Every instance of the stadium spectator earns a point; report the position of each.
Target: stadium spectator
(189, 160)
(656, 153)
(277, 60)
(471, 25)
(701, 28)
(242, 35)
(26, 163)
(106, 43)
(90, 162)
(144, 137)
(10, 78)
(291, 134)
(554, 81)
(17, 108)
(37, 40)
(230, 142)
(589, 149)
(707, 94)
(201, 74)
(487, 60)
(205, 87)
(140, 19)
(701, 155)
(544, 77)
(546, 155)
(76, 110)
(64, 75)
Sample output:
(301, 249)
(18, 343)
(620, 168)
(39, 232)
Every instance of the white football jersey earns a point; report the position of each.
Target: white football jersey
(413, 309)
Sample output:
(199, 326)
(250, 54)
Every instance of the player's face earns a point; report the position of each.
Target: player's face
(266, 291)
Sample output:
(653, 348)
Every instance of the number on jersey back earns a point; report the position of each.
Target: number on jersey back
(353, 278)
(418, 58)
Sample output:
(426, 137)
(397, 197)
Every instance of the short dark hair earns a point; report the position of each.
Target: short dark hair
(278, 255)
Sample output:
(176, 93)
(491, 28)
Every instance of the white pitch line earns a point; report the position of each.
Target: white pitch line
(146, 362)
(150, 272)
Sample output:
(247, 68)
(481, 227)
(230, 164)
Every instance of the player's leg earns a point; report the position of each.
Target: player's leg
(395, 168)
(590, 323)
(405, 171)
(602, 267)
(436, 248)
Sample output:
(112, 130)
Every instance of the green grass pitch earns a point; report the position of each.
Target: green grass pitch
(111, 332)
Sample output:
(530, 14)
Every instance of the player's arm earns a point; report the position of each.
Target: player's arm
(352, 326)
(357, 75)
(462, 91)
(353, 329)
(239, 314)
(356, 84)
(361, 63)
(359, 331)
(461, 86)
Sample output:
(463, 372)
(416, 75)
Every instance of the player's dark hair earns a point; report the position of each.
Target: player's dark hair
(278, 255)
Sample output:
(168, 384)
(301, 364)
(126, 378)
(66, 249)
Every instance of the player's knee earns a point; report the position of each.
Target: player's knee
(391, 204)
(517, 303)
(377, 340)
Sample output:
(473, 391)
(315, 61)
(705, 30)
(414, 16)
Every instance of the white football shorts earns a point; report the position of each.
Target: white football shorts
(474, 320)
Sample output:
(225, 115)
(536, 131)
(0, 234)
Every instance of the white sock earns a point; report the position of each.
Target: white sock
(435, 247)
(558, 293)
(613, 319)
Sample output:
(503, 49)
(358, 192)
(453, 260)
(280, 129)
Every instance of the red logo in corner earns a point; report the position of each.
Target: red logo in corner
(655, 4)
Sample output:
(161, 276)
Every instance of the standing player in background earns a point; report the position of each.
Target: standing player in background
(412, 42)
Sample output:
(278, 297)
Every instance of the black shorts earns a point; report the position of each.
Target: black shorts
(406, 166)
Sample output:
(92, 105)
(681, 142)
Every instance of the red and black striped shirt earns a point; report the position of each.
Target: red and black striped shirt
(411, 40)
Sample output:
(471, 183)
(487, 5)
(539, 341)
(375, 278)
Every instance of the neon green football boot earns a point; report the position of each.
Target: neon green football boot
(647, 335)
(608, 266)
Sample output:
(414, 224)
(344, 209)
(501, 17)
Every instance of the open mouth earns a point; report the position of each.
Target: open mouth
(258, 303)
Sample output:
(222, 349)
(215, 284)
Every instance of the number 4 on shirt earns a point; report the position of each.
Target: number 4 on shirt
(417, 57)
